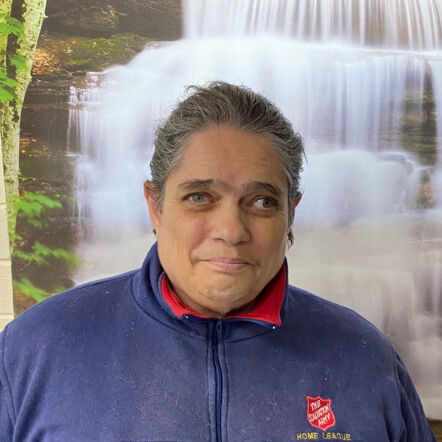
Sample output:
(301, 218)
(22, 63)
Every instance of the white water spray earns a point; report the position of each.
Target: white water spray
(352, 78)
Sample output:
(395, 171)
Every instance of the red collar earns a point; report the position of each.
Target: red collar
(267, 308)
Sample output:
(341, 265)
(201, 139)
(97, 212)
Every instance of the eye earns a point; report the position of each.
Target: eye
(197, 198)
(265, 202)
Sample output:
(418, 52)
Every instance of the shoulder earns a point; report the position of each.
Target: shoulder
(73, 308)
(341, 329)
(315, 308)
(355, 353)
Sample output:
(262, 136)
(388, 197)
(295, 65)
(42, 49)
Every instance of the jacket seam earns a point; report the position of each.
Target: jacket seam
(396, 377)
(7, 383)
(154, 318)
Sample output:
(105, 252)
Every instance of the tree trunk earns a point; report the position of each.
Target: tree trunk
(31, 14)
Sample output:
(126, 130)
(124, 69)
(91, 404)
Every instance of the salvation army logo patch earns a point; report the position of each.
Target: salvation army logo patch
(319, 413)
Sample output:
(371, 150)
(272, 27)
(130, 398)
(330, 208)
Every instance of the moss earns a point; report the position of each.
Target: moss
(81, 54)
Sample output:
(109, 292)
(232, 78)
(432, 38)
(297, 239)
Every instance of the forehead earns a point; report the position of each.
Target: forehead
(231, 156)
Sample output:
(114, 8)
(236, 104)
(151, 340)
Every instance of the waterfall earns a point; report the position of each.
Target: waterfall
(362, 81)
(393, 24)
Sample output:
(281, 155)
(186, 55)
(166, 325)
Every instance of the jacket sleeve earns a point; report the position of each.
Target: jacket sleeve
(6, 405)
(415, 425)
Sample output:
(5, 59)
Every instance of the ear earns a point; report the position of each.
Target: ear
(295, 203)
(151, 194)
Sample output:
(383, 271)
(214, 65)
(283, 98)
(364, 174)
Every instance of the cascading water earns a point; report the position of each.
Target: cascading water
(408, 24)
(362, 80)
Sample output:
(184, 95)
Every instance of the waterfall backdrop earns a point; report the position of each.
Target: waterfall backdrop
(362, 81)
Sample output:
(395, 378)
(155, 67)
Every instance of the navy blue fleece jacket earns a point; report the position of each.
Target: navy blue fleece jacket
(112, 360)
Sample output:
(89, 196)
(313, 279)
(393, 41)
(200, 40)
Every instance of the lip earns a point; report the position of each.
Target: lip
(229, 265)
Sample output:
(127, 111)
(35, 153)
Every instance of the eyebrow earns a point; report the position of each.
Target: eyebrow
(253, 186)
(256, 186)
(195, 184)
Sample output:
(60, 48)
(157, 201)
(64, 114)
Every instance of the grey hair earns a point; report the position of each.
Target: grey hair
(220, 104)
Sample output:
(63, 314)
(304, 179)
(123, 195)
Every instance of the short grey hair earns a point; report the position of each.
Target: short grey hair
(220, 104)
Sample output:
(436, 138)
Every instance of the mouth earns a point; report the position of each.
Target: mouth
(228, 265)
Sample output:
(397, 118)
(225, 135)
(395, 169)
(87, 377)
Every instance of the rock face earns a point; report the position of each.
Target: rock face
(156, 19)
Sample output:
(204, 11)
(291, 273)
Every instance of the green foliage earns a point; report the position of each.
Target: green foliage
(41, 253)
(27, 288)
(19, 61)
(8, 85)
(10, 25)
(32, 205)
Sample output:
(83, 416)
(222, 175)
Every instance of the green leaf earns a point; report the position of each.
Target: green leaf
(6, 29)
(5, 95)
(30, 257)
(41, 254)
(42, 199)
(30, 209)
(19, 61)
(7, 86)
(12, 235)
(32, 206)
(10, 25)
(27, 288)
(9, 82)
(63, 254)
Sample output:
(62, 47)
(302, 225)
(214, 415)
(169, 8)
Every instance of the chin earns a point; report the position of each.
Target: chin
(232, 296)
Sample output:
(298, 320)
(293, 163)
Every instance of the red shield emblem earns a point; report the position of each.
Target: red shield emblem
(319, 413)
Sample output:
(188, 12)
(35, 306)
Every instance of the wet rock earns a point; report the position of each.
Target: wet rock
(426, 197)
(160, 20)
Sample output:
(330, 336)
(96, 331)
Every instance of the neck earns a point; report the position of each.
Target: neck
(213, 312)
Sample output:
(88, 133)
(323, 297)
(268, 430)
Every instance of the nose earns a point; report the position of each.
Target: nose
(230, 225)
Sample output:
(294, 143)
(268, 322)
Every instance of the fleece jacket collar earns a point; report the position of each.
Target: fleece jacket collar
(164, 306)
(266, 310)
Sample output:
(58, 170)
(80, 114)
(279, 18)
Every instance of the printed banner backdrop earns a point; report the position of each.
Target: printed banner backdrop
(361, 80)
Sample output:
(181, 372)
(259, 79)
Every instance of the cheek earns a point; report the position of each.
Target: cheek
(272, 233)
(183, 233)
(271, 245)
(275, 248)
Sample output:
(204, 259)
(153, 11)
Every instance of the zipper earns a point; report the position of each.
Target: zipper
(216, 337)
